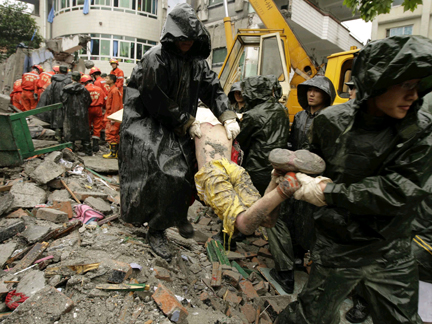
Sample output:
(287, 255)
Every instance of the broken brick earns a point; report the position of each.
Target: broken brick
(265, 253)
(52, 215)
(247, 288)
(260, 242)
(84, 195)
(261, 288)
(17, 214)
(272, 308)
(233, 277)
(169, 304)
(162, 273)
(64, 206)
(232, 297)
(249, 312)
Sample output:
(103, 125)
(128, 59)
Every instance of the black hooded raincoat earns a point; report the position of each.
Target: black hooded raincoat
(264, 127)
(76, 101)
(52, 96)
(382, 171)
(157, 155)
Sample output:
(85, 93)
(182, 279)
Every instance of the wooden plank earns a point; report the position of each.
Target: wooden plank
(127, 303)
(240, 269)
(36, 111)
(124, 287)
(216, 278)
(31, 257)
(211, 253)
(70, 191)
(220, 251)
(108, 219)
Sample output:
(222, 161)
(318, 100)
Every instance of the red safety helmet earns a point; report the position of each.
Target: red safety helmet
(94, 70)
(114, 61)
(38, 67)
(85, 78)
(56, 69)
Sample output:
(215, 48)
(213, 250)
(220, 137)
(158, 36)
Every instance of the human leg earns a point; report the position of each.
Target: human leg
(112, 134)
(392, 292)
(320, 300)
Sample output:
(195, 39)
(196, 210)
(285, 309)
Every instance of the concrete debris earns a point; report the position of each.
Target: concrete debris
(46, 172)
(27, 195)
(5, 203)
(75, 260)
(98, 204)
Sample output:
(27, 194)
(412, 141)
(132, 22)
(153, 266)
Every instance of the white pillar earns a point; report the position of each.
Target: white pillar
(425, 18)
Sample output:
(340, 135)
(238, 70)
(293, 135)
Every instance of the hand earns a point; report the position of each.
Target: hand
(112, 122)
(312, 189)
(232, 128)
(288, 185)
(195, 129)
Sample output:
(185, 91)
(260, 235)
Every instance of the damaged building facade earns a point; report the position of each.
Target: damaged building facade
(121, 29)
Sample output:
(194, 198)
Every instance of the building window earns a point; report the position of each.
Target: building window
(397, 3)
(219, 55)
(397, 31)
(147, 8)
(124, 49)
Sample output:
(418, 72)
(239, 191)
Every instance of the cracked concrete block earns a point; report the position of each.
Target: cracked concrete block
(48, 304)
(6, 251)
(52, 215)
(34, 233)
(10, 227)
(98, 204)
(27, 195)
(54, 156)
(46, 172)
(31, 282)
(59, 195)
(81, 195)
(5, 203)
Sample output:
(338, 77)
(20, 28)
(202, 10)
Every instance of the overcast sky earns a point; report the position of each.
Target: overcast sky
(359, 29)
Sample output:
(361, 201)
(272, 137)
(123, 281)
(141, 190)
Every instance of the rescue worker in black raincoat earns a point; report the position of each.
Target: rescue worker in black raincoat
(378, 153)
(295, 224)
(264, 127)
(236, 98)
(157, 155)
(52, 96)
(76, 102)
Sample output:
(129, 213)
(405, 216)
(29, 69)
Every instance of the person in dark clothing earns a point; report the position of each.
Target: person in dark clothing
(378, 152)
(159, 122)
(76, 101)
(236, 98)
(296, 221)
(52, 96)
(264, 127)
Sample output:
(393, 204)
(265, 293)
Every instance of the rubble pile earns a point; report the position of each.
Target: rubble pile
(68, 258)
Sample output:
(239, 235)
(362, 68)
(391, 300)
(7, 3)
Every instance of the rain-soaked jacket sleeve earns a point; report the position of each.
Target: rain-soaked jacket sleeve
(213, 96)
(152, 77)
(293, 138)
(400, 187)
(248, 126)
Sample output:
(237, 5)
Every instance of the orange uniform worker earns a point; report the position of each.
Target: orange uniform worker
(29, 97)
(56, 69)
(118, 73)
(16, 95)
(95, 110)
(100, 82)
(113, 104)
(43, 82)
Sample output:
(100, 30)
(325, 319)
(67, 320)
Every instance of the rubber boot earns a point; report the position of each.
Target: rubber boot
(87, 148)
(186, 229)
(113, 152)
(158, 243)
(285, 279)
(95, 144)
(102, 135)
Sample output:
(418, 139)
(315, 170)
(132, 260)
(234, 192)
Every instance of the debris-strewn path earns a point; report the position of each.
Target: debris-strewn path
(58, 271)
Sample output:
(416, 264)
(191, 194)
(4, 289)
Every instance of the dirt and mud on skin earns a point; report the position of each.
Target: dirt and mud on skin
(105, 272)
(217, 149)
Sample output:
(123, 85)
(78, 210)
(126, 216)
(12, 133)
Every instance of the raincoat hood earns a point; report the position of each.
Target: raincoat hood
(74, 88)
(182, 23)
(259, 89)
(60, 77)
(321, 82)
(383, 63)
(235, 87)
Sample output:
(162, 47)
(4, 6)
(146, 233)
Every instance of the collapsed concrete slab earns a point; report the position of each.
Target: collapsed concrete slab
(6, 251)
(5, 203)
(45, 306)
(46, 172)
(98, 204)
(34, 233)
(31, 282)
(99, 164)
(10, 227)
(27, 195)
(52, 215)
